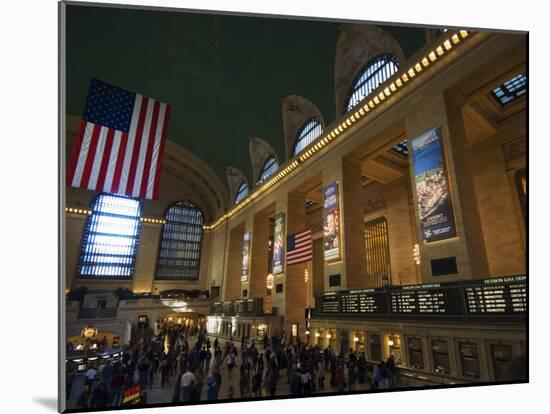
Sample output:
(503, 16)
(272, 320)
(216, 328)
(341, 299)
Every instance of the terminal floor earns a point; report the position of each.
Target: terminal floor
(157, 394)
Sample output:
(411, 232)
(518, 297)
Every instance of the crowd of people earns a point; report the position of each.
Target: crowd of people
(187, 362)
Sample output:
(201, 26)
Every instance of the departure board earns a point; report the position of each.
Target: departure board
(497, 296)
(251, 306)
(432, 299)
(364, 301)
(330, 304)
(496, 299)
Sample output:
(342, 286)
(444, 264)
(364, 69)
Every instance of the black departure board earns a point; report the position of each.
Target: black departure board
(429, 299)
(365, 301)
(330, 304)
(499, 296)
(251, 306)
(239, 306)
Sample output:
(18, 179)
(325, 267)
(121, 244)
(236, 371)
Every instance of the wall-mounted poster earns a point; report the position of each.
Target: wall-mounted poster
(246, 256)
(331, 223)
(434, 204)
(278, 243)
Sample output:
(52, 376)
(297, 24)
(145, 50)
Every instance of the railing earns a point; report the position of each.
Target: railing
(247, 307)
(94, 313)
(488, 300)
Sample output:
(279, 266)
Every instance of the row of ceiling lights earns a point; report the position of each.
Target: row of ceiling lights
(85, 212)
(397, 82)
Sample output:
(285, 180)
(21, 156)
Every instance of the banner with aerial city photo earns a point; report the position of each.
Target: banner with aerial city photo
(331, 223)
(434, 202)
(246, 251)
(278, 243)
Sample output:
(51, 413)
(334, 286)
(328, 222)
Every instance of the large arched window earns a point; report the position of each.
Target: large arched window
(242, 192)
(110, 239)
(375, 73)
(309, 132)
(269, 167)
(180, 246)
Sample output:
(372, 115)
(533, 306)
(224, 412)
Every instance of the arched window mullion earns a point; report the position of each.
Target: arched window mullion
(181, 243)
(110, 240)
(374, 74)
(269, 167)
(309, 132)
(242, 192)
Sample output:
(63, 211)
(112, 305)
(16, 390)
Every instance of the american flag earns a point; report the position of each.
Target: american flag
(120, 143)
(299, 247)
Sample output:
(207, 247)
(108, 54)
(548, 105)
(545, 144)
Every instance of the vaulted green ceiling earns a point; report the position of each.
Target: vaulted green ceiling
(224, 76)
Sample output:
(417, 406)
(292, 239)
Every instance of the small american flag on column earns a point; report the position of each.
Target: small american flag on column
(120, 143)
(299, 247)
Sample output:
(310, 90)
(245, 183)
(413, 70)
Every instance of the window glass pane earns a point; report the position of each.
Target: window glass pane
(375, 73)
(511, 90)
(110, 240)
(309, 133)
(269, 167)
(180, 248)
(242, 192)
(402, 148)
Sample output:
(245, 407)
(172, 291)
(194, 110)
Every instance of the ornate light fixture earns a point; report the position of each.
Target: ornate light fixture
(269, 281)
(416, 253)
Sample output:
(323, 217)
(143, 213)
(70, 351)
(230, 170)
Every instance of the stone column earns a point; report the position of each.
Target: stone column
(401, 237)
(352, 267)
(232, 283)
(295, 289)
(467, 247)
(259, 256)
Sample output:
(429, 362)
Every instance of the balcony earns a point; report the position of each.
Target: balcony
(247, 307)
(97, 313)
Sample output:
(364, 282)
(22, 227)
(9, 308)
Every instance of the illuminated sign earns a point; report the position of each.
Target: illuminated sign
(278, 243)
(246, 257)
(132, 395)
(331, 223)
(435, 211)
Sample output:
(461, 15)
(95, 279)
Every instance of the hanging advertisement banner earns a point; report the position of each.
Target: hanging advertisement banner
(331, 223)
(434, 203)
(246, 255)
(278, 243)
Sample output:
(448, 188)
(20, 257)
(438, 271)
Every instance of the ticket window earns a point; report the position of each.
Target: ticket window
(319, 335)
(440, 354)
(502, 358)
(469, 360)
(359, 341)
(331, 339)
(375, 348)
(143, 321)
(393, 347)
(344, 341)
(416, 356)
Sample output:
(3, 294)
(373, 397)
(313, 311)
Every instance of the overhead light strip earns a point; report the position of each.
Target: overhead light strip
(391, 87)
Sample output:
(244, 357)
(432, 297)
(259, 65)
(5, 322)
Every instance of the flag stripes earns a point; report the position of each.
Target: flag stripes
(299, 247)
(121, 152)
